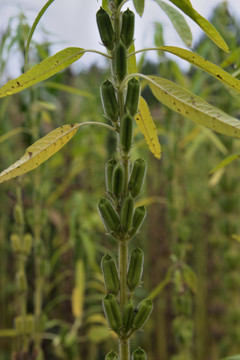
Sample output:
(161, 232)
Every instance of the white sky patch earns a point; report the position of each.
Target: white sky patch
(73, 23)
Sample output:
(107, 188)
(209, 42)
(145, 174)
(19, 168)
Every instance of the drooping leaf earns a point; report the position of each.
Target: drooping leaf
(148, 128)
(36, 21)
(205, 25)
(228, 160)
(42, 71)
(78, 291)
(193, 107)
(131, 61)
(139, 6)
(178, 22)
(40, 151)
(205, 65)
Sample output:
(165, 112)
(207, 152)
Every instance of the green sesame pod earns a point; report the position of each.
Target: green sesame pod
(105, 28)
(139, 354)
(27, 243)
(109, 101)
(126, 217)
(18, 215)
(110, 274)
(19, 325)
(110, 165)
(112, 312)
(21, 281)
(132, 98)
(120, 61)
(128, 315)
(29, 324)
(138, 217)
(111, 356)
(118, 180)
(108, 215)
(144, 310)
(135, 269)
(137, 177)
(126, 132)
(127, 31)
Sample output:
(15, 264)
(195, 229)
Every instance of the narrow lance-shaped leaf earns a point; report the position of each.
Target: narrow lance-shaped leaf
(233, 57)
(78, 290)
(148, 128)
(193, 107)
(178, 22)
(205, 65)
(36, 21)
(132, 62)
(228, 160)
(205, 25)
(42, 71)
(139, 6)
(40, 151)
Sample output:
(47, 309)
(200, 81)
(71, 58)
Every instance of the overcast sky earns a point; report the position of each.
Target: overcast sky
(73, 22)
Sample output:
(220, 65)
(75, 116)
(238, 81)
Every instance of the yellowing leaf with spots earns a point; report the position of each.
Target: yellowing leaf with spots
(40, 151)
(193, 107)
(205, 65)
(147, 127)
(42, 71)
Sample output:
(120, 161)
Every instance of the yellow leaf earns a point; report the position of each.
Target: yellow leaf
(193, 107)
(236, 237)
(205, 65)
(132, 62)
(42, 71)
(148, 128)
(40, 151)
(78, 291)
(77, 302)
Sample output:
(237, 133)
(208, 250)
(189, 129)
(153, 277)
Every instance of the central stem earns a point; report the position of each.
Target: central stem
(123, 262)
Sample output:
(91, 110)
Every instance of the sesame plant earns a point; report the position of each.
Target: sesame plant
(123, 106)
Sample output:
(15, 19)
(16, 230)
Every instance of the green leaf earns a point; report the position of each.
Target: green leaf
(228, 160)
(147, 127)
(235, 357)
(36, 21)
(40, 151)
(43, 70)
(193, 107)
(233, 57)
(205, 65)
(139, 6)
(178, 22)
(105, 5)
(68, 89)
(98, 333)
(205, 25)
